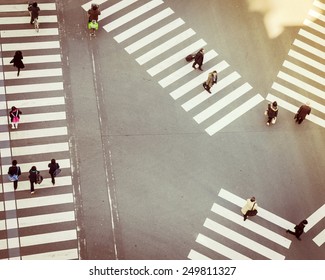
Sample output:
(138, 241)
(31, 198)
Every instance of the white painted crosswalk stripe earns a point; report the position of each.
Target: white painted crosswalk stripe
(23, 7)
(307, 60)
(315, 218)
(68, 254)
(312, 37)
(235, 114)
(309, 48)
(143, 25)
(132, 15)
(43, 45)
(223, 102)
(26, 20)
(40, 149)
(194, 255)
(37, 102)
(319, 4)
(315, 26)
(154, 36)
(165, 46)
(29, 33)
(39, 117)
(36, 59)
(39, 73)
(34, 88)
(319, 239)
(38, 133)
(316, 15)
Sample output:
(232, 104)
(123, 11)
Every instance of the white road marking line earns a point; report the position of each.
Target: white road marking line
(26, 20)
(69, 254)
(250, 225)
(201, 97)
(223, 102)
(38, 133)
(146, 40)
(319, 239)
(39, 73)
(316, 15)
(37, 102)
(179, 92)
(294, 109)
(165, 46)
(314, 26)
(220, 248)
(193, 255)
(312, 37)
(40, 149)
(181, 72)
(36, 59)
(261, 212)
(132, 15)
(45, 238)
(31, 46)
(319, 4)
(242, 240)
(23, 7)
(297, 96)
(304, 72)
(40, 117)
(301, 84)
(307, 60)
(309, 48)
(316, 217)
(34, 87)
(3, 244)
(163, 65)
(143, 25)
(235, 114)
(29, 33)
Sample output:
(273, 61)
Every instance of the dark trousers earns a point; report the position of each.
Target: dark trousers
(195, 63)
(31, 186)
(15, 185)
(296, 233)
(299, 120)
(52, 178)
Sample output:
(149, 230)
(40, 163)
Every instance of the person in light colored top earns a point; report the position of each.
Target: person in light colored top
(250, 205)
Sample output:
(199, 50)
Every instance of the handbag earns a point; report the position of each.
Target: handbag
(252, 212)
(56, 172)
(273, 120)
(13, 178)
(39, 178)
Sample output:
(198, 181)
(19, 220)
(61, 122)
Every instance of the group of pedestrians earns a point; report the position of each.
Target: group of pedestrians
(250, 209)
(34, 175)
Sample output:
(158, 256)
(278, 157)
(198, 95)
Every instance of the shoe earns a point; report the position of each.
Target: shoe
(31, 192)
(287, 231)
(267, 123)
(245, 218)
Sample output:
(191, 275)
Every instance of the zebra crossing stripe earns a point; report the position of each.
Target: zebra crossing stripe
(301, 84)
(165, 46)
(309, 48)
(235, 114)
(314, 26)
(304, 72)
(312, 37)
(320, 238)
(163, 65)
(26, 20)
(132, 15)
(40, 117)
(307, 60)
(23, 7)
(40, 149)
(238, 219)
(29, 33)
(198, 80)
(34, 88)
(143, 25)
(220, 248)
(198, 99)
(36, 59)
(319, 4)
(294, 109)
(87, 5)
(297, 96)
(31, 46)
(193, 255)
(316, 15)
(223, 102)
(68, 254)
(39, 73)
(154, 36)
(261, 212)
(38, 133)
(181, 72)
(316, 217)
(242, 240)
(37, 102)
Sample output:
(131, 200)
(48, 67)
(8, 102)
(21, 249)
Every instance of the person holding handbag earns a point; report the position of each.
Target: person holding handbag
(13, 173)
(54, 170)
(250, 208)
(14, 115)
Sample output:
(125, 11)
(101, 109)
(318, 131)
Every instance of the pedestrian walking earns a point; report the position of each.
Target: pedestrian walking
(34, 11)
(13, 173)
(18, 61)
(250, 208)
(303, 111)
(271, 113)
(34, 178)
(14, 115)
(299, 229)
(54, 170)
(93, 13)
(212, 79)
(198, 59)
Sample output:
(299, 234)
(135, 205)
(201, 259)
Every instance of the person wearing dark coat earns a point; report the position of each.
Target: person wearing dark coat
(299, 229)
(34, 11)
(272, 113)
(33, 173)
(18, 61)
(53, 165)
(303, 111)
(198, 59)
(14, 115)
(14, 172)
(93, 13)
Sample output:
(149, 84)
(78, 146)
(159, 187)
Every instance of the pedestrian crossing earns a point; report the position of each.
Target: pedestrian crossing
(41, 226)
(301, 77)
(256, 237)
(158, 40)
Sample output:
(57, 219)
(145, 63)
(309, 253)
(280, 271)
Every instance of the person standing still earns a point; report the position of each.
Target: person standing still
(303, 111)
(272, 113)
(251, 204)
(53, 165)
(198, 59)
(212, 79)
(14, 172)
(14, 115)
(34, 11)
(33, 178)
(299, 229)
(18, 61)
